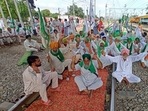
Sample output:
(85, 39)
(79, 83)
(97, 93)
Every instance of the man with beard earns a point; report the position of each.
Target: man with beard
(37, 80)
(124, 66)
(89, 79)
(57, 60)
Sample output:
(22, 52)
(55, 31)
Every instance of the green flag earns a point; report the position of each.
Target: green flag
(44, 34)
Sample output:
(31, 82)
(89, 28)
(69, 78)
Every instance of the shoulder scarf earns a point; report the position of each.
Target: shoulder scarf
(91, 67)
(58, 54)
(144, 48)
(130, 48)
(106, 43)
(99, 50)
(119, 47)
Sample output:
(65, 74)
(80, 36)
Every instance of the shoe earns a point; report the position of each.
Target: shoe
(60, 77)
(48, 103)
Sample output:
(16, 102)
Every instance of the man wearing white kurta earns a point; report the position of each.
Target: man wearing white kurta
(72, 28)
(7, 37)
(55, 36)
(37, 80)
(88, 80)
(66, 25)
(57, 60)
(31, 45)
(56, 24)
(124, 66)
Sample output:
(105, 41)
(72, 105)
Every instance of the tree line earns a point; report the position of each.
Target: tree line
(22, 6)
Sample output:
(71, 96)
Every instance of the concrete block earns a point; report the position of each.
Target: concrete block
(5, 106)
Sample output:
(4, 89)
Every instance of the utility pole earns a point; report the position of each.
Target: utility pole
(95, 7)
(99, 13)
(8, 9)
(124, 8)
(106, 11)
(30, 14)
(73, 8)
(87, 13)
(59, 12)
(18, 13)
(3, 16)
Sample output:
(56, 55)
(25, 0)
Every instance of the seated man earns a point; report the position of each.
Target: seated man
(7, 37)
(130, 46)
(31, 45)
(101, 47)
(1, 42)
(144, 61)
(124, 66)
(56, 59)
(88, 47)
(88, 80)
(137, 46)
(37, 80)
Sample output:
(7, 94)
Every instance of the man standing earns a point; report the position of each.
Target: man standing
(55, 36)
(56, 24)
(72, 28)
(66, 25)
(37, 80)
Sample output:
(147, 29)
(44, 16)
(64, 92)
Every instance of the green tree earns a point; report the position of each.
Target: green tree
(77, 10)
(35, 13)
(54, 15)
(45, 13)
(21, 6)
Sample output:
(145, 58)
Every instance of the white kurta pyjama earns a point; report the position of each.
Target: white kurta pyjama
(56, 25)
(124, 68)
(34, 82)
(66, 25)
(33, 43)
(57, 64)
(72, 28)
(88, 80)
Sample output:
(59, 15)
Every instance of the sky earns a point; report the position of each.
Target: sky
(136, 5)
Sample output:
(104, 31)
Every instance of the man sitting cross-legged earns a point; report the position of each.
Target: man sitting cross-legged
(124, 66)
(88, 80)
(57, 61)
(37, 80)
(32, 45)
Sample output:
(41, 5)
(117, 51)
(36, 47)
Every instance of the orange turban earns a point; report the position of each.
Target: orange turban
(54, 45)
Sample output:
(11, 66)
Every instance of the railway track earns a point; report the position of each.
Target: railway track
(113, 87)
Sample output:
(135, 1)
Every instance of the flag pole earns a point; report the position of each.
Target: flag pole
(30, 14)
(8, 9)
(18, 13)
(3, 16)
